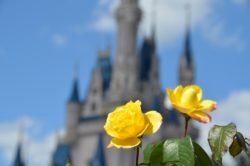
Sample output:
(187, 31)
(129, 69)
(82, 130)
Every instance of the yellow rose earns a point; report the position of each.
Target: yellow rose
(188, 100)
(127, 123)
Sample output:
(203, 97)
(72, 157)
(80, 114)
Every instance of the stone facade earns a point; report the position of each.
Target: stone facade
(133, 75)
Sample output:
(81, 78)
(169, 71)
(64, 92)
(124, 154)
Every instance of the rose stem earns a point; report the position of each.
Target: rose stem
(186, 125)
(137, 155)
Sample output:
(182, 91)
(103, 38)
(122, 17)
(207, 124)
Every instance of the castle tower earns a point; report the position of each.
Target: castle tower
(150, 88)
(73, 112)
(155, 65)
(92, 118)
(133, 75)
(99, 84)
(18, 158)
(186, 68)
(124, 80)
(175, 125)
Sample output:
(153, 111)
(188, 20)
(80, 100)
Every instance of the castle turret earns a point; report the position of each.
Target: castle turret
(124, 81)
(18, 161)
(73, 112)
(155, 66)
(150, 88)
(99, 84)
(186, 68)
(104, 64)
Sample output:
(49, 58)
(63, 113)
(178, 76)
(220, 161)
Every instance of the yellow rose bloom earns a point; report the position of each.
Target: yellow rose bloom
(188, 100)
(127, 123)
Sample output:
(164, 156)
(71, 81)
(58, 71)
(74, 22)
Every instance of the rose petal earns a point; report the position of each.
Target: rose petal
(200, 116)
(110, 131)
(207, 105)
(127, 143)
(197, 90)
(191, 96)
(181, 108)
(171, 95)
(155, 121)
(178, 92)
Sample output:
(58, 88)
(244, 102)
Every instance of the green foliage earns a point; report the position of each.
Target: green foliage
(242, 144)
(238, 145)
(155, 147)
(220, 138)
(201, 157)
(185, 152)
(235, 148)
(179, 152)
(241, 140)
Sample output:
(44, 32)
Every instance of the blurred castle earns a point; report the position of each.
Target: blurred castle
(132, 76)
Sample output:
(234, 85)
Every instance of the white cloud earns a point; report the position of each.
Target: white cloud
(240, 2)
(104, 16)
(104, 23)
(59, 40)
(170, 20)
(236, 109)
(216, 33)
(36, 151)
(170, 16)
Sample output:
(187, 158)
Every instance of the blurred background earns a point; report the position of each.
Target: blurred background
(42, 41)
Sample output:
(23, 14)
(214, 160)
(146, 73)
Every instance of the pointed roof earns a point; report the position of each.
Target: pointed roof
(99, 156)
(74, 94)
(146, 53)
(61, 155)
(153, 23)
(18, 158)
(187, 43)
(75, 90)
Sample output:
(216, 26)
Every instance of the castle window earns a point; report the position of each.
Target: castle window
(94, 91)
(93, 107)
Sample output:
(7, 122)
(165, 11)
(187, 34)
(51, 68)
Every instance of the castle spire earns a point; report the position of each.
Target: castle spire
(124, 84)
(18, 161)
(187, 49)
(18, 158)
(153, 21)
(75, 90)
(73, 110)
(186, 69)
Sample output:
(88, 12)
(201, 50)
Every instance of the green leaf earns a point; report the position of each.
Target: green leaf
(235, 148)
(220, 138)
(149, 149)
(201, 157)
(179, 152)
(157, 154)
(241, 140)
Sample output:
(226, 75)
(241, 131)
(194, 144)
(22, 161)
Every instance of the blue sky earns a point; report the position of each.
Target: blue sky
(40, 41)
